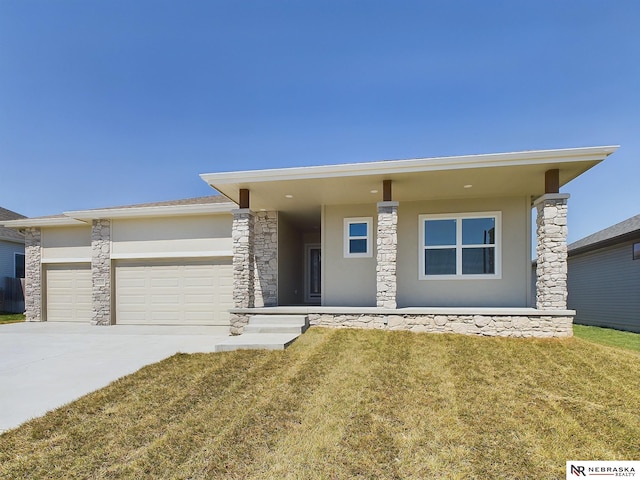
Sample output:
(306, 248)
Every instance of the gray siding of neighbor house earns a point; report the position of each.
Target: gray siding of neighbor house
(7, 251)
(604, 287)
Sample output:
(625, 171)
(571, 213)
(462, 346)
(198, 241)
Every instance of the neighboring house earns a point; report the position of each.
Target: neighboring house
(604, 277)
(430, 244)
(11, 265)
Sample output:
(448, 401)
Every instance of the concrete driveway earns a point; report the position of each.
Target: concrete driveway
(46, 365)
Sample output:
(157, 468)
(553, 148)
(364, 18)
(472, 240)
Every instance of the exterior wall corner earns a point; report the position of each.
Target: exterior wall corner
(33, 274)
(265, 251)
(551, 250)
(386, 255)
(101, 272)
(243, 262)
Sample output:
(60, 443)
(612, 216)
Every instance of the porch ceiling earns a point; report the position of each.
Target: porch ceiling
(506, 174)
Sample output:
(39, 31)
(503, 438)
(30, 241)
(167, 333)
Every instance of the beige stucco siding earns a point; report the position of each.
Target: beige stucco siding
(347, 281)
(511, 290)
(66, 243)
(204, 234)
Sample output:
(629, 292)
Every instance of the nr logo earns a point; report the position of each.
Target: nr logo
(578, 470)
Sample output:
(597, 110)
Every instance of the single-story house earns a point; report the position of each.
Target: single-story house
(427, 244)
(11, 264)
(604, 277)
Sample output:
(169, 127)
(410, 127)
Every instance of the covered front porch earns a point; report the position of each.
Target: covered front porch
(386, 280)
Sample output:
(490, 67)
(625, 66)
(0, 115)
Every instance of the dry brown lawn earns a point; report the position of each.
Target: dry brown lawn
(348, 404)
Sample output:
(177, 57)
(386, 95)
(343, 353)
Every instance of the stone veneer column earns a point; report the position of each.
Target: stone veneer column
(551, 272)
(265, 250)
(33, 274)
(243, 273)
(101, 271)
(387, 249)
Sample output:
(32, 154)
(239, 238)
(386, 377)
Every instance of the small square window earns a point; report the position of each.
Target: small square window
(357, 237)
(636, 251)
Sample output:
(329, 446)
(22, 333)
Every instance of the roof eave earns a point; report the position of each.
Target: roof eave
(603, 243)
(156, 211)
(43, 222)
(530, 157)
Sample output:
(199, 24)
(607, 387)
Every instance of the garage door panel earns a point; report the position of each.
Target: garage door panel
(68, 293)
(191, 293)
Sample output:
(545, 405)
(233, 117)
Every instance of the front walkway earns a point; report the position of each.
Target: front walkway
(46, 365)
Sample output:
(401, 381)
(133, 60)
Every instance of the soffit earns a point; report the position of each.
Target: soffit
(499, 175)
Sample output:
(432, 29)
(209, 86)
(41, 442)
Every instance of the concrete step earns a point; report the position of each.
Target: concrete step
(274, 328)
(256, 341)
(278, 319)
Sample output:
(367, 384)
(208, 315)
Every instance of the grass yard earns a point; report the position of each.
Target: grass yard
(608, 336)
(11, 318)
(348, 404)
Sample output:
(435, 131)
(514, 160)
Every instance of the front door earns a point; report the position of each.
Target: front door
(312, 275)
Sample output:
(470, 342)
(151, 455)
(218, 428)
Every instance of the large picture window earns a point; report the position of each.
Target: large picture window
(460, 246)
(357, 237)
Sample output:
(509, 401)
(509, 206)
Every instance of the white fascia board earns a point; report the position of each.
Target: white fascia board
(158, 211)
(160, 255)
(43, 222)
(66, 260)
(530, 157)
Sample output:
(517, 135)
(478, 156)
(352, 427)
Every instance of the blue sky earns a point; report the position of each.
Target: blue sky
(115, 102)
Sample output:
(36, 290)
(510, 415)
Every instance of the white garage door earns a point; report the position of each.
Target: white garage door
(174, 293)
(68, 293)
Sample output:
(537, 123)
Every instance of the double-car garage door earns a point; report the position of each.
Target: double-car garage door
(156, 292)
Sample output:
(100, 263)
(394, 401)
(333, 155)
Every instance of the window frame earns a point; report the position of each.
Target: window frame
(347, 237)
(459, 247)
(635, 251)
(15, 264)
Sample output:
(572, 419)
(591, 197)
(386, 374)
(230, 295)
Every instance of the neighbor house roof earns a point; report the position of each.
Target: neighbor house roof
(619, 232)
(185, 206)
(7, 233)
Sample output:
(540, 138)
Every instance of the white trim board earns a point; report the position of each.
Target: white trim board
(143, 256)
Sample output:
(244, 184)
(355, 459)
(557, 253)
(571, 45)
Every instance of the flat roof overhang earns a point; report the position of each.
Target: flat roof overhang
(470, 176)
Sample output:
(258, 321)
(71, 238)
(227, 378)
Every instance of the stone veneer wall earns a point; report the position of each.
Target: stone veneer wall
(540, 325)
(551, 270)
(243, 265)
(101, 271)
(265, 250)
(33, 274)
(387, 248)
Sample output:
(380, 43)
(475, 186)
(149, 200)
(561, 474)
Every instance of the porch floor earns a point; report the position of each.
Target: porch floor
(340, 310)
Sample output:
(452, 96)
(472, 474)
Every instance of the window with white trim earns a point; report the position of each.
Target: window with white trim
(460, 246)
(357, 237)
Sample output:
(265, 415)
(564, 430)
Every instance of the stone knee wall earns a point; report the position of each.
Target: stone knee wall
(541, 326)
(237, 323)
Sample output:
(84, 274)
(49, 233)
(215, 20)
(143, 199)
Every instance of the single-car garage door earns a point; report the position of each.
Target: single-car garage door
(174, 292)
(68, 293)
